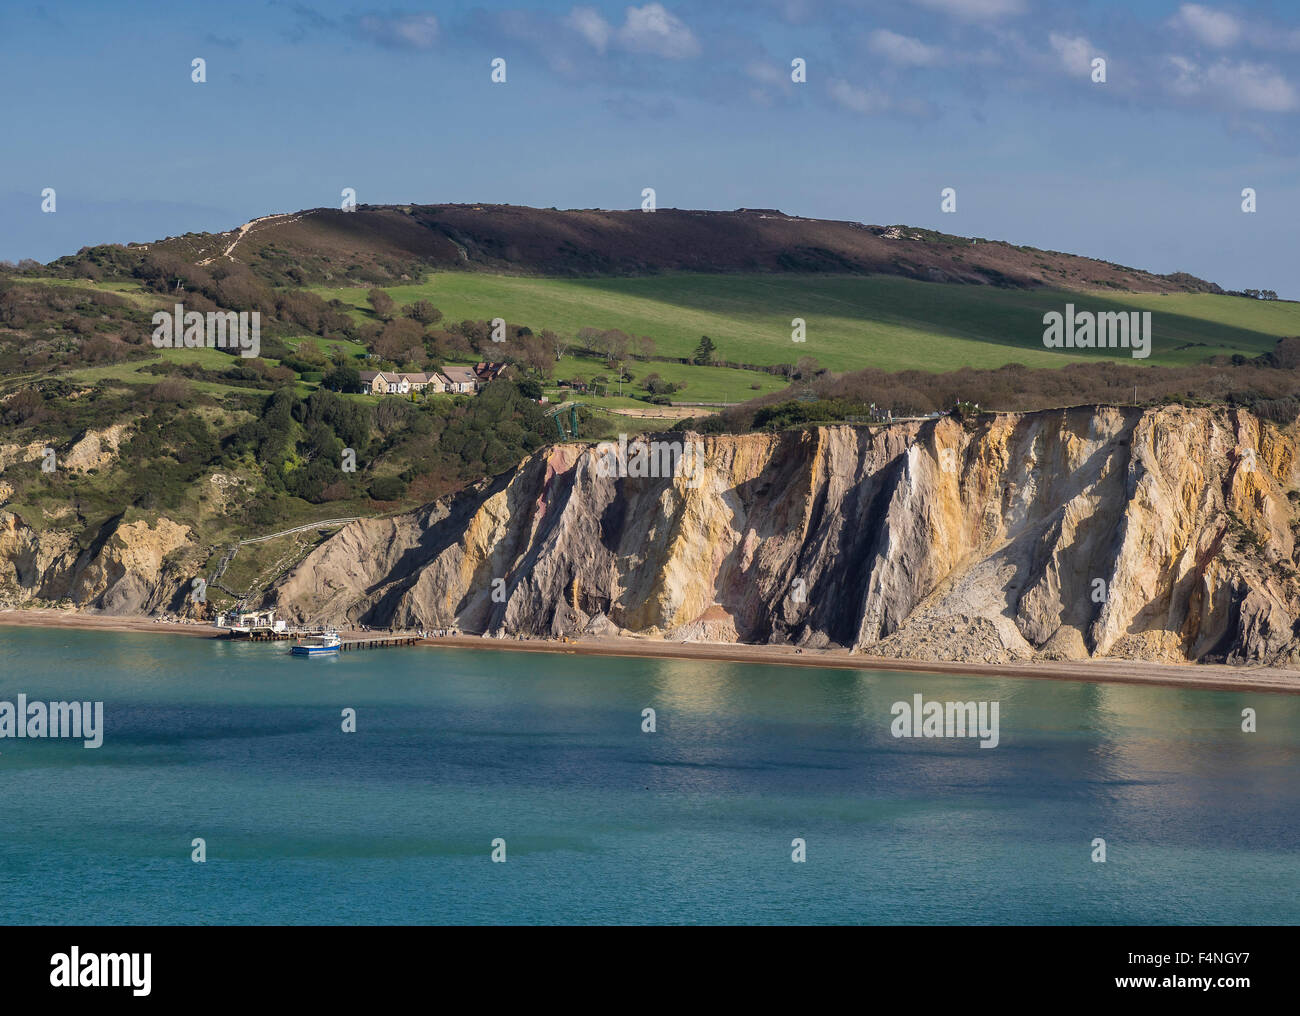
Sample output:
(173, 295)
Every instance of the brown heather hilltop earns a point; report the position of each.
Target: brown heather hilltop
(378, 243)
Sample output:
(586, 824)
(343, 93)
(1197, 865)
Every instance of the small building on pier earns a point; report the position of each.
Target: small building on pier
(250, 623)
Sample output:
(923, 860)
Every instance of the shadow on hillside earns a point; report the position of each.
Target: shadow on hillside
(996, 316)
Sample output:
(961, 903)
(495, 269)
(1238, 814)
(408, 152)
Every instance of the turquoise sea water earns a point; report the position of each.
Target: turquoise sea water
(242, 745)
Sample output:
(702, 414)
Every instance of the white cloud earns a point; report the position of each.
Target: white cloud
(872, 101)
(1075, 52)
(1254, 86)
(1187, 78)
(588, 23)
(859, 100)
(796, 12)
(402, 31)
(1214, 28)
(1240, 85)
(653, 29)
(649, 29)
(976, 10)
(766, 73)
(902, 49)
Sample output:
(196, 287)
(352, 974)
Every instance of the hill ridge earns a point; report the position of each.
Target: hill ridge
(381, 244)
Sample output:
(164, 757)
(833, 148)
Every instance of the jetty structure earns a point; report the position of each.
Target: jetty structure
(264, 626)
(259, 625)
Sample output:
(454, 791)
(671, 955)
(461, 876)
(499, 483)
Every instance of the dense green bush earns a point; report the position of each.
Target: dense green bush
(388, 488)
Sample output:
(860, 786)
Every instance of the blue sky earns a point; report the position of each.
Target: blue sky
(994, 98)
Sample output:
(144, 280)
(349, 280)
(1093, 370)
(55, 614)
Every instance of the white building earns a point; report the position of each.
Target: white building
(390, 383)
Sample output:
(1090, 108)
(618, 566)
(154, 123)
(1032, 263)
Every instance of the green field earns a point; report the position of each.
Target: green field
(133, 372)
(129, 290)
(703, 384)
(852, 321)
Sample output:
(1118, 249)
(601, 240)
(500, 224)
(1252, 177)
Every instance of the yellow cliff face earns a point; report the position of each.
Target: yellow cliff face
(1164, 533)
(26, 557)
(128, 573)
(700, 524)
(486, 529)
(1161, 533)
(14, 453)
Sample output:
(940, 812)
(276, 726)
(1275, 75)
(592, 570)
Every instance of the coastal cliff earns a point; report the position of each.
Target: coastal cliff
(1161, 534)
(131, 568)
(1164, 534)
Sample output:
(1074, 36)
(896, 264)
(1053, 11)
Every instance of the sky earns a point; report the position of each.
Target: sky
(996, 99)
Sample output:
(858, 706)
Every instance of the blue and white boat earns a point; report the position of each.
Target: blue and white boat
(317, 645)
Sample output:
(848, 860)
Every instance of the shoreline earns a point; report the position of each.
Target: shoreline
(1200, 676)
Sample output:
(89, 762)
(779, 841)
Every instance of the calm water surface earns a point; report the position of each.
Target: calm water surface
(241, 745)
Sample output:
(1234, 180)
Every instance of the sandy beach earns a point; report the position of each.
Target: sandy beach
(1202, 676)
(100, 622)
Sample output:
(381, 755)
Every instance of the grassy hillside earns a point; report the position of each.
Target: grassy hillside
(235, 446)
(852, 321)
(695, 384)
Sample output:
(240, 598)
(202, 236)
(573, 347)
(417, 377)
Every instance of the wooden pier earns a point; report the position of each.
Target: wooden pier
(287, 634)
(263, 626)
(379, 643)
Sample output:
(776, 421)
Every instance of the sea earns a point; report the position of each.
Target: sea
(236, 784)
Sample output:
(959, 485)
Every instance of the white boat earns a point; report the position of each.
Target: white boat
(317, 645)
